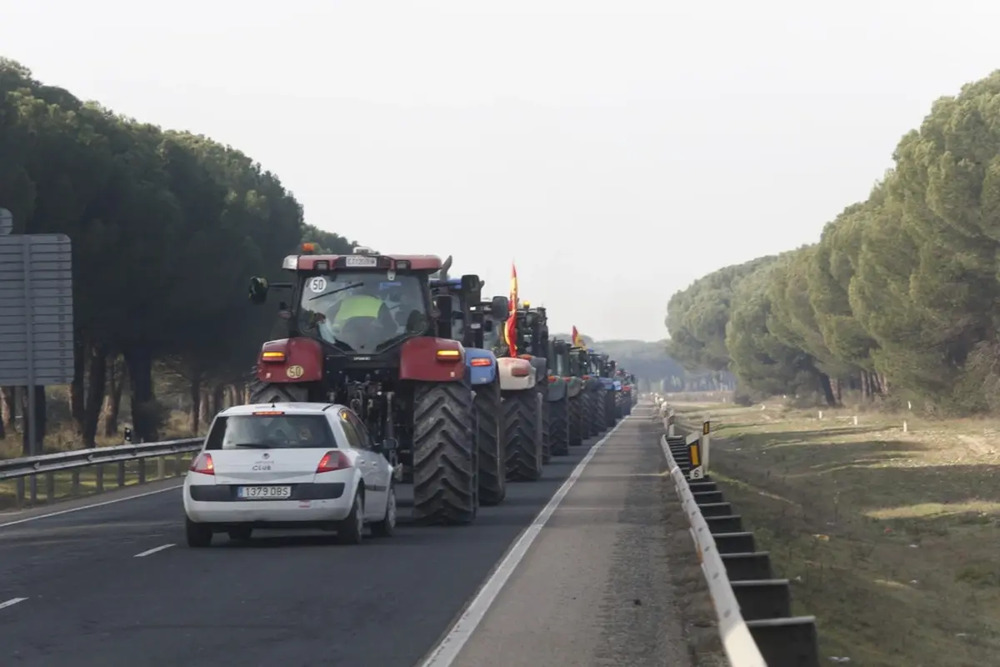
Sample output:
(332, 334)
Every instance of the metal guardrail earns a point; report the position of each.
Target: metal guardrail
(74, 461)
(753, 608)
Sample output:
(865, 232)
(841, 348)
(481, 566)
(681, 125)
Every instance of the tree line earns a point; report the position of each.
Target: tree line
(896, 302)
(166, 227)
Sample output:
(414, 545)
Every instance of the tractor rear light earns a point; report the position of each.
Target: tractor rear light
(481, 361)
(333, 461)
(586, 377)
(520, 371)
(273, 357)
(552, 378)
(448, 355)
(203, 464)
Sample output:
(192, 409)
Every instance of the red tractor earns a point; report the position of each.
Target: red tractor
(361, 333)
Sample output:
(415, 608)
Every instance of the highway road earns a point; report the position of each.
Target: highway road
(585, 583)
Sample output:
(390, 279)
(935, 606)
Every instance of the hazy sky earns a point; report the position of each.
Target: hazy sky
(615, 150)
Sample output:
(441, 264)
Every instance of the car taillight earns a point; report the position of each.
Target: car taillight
(203, 463)
(333, 461)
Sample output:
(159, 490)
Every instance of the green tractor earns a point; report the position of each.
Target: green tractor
(561, 366)
(533, 341)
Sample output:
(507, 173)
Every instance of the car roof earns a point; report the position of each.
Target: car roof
(287, 408)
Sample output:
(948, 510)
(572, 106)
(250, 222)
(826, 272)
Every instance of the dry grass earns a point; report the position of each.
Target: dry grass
(63, 438)
(891, 538)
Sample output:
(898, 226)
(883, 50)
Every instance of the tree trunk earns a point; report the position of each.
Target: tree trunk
(139, 361)
(39, 421)
(10, 408)
(96, 387)
(194, 423)
(824, 384)
(218, 398)
(113, 402)
(76, 388)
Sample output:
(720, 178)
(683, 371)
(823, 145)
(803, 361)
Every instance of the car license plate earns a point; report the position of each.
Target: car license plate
(360, 260)
(264, 492)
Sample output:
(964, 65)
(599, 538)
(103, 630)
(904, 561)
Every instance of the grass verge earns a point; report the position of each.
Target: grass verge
(890, 537)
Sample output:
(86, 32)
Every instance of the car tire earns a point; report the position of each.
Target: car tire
(240, 534)
(351, 528)
(387, 526)
(199, 535)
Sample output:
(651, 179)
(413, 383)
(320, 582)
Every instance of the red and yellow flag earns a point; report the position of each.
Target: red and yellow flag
(510, 330)
(577, 338)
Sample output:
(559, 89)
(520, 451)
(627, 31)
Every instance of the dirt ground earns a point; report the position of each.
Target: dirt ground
(891, 538)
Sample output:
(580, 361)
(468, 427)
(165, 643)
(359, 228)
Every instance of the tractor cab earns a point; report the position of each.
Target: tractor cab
(360, 304)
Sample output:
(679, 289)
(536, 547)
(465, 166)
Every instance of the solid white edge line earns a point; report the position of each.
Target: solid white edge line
(153, 550)
(451, 645)
(11, 602)
(87, 507)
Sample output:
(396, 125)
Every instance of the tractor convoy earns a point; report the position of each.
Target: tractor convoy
(462, 395)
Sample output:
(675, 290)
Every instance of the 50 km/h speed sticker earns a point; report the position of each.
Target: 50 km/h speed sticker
(317, 284)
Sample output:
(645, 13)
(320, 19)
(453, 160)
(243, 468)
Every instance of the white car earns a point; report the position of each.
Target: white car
(289, 466)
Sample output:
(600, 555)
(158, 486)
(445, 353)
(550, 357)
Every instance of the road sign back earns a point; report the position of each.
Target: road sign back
(36, 310)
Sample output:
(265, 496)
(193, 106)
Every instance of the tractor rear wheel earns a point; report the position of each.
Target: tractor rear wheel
(597, 412)
(575, 419)
(559, 426)
(491, 444)
(270, 392)
(521, 424)
(444, 473)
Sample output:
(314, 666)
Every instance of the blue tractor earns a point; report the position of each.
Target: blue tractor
(459, 316)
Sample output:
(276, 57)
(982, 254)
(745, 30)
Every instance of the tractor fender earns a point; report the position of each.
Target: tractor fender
(574, 386)
(290, 360)
(419, 360)
(541, 368)
(607, 383)
(515, 374)
(557, 389)
(482, 365)
(592, 384)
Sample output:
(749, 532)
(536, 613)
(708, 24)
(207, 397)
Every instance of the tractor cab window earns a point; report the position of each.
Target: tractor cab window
(363, 311)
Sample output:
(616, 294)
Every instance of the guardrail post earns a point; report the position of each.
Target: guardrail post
(787, 641)
(706, 442)
(99, 475)
(121, 474)
(50, 487)
(33, 489)
(76, 482)
(142, 470)
(161, 467)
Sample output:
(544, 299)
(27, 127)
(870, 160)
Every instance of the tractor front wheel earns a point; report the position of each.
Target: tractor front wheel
(444, 460)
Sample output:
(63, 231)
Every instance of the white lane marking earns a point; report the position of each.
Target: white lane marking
(11, 602)
(87, 507)
(153, 551)
(449, 647)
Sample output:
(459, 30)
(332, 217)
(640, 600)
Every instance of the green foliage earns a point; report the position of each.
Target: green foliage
(167, 227)
(900, 293)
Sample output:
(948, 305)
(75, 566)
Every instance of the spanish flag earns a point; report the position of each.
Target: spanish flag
(510, 330)
(577, 338)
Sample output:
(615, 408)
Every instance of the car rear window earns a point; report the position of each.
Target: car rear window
(271, 432)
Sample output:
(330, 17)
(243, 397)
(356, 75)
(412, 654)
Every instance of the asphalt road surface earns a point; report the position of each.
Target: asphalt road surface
(113, 583)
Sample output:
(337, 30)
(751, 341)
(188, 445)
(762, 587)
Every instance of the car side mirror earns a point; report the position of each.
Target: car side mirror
(258, 290)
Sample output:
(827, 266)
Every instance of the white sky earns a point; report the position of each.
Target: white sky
(615, 150)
